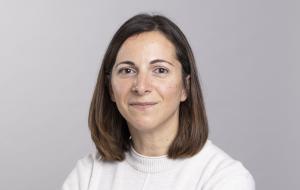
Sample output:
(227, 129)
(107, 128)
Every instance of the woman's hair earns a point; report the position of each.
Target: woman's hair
(109, 129)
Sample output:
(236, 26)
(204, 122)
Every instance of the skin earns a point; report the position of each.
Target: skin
(147, 87)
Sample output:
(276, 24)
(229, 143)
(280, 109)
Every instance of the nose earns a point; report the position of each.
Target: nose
(142, 84)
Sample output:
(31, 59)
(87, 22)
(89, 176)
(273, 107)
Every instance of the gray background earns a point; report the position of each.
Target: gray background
(50, 50)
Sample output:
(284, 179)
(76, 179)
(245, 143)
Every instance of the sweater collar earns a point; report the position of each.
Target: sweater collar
(150, 164)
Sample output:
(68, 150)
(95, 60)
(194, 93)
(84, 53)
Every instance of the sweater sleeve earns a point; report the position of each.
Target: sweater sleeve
(241, 182)
(80, 176)
(232, 177)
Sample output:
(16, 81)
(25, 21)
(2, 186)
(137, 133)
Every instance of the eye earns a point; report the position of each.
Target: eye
(126, 71)
(161, 70)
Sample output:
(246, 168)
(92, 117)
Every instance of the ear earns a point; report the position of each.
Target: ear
(185, 89)
(111, 93)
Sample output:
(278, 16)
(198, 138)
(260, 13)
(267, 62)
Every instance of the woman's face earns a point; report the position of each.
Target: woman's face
(146, 82)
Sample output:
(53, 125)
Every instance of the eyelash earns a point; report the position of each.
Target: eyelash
(165, 71)
(128, 70)
(123, 70)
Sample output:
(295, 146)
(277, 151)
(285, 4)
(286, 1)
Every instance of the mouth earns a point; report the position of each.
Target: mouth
(142, 105)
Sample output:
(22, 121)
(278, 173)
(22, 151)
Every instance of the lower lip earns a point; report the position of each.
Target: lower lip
(143, 107)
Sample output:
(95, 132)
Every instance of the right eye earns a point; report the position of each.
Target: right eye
(126, 70)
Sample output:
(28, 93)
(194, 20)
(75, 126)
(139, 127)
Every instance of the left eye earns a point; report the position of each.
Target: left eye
(161, 70)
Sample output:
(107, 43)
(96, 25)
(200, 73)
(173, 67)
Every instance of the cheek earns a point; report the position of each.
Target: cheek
(172, 91)
(119, 89)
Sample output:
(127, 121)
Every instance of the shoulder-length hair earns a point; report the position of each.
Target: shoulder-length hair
(109, 129)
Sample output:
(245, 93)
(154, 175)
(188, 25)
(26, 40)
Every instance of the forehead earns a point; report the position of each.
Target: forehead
(151, 44)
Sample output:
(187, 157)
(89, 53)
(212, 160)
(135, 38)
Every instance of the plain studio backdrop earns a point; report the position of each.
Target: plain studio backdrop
(247, 53)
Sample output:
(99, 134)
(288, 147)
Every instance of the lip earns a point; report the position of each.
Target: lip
(142, 105)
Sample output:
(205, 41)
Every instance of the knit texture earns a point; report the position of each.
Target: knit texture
(210, 169)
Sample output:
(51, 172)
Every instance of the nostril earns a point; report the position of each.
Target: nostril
(142, 83)
(141, 90)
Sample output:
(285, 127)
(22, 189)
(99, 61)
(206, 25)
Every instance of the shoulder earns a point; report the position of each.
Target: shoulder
(86, 163)
(79, 177)
(224, 172)
(89, 159)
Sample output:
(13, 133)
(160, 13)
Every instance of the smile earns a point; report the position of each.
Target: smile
(142, 105)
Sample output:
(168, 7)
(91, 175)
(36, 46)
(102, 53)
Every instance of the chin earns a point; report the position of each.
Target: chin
(143, 126)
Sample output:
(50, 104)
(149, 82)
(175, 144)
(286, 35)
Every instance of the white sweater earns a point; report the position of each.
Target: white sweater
(210, 169)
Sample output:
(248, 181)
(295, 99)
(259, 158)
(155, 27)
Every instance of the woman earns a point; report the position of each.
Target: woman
(147, 118)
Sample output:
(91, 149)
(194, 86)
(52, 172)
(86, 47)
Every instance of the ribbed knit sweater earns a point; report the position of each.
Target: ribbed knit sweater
(210, 169)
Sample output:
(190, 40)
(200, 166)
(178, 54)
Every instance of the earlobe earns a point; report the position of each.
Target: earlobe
(112, 97)
(186, 88)
(111, 94)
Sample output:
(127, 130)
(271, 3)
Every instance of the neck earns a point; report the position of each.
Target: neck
(151, 143)
(150, 147)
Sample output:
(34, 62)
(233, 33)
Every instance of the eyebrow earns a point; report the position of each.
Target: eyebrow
(151, 62)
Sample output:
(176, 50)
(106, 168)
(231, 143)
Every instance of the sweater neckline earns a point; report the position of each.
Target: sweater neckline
(150, 164)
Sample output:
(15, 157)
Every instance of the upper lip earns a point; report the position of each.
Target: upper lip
(142, 103)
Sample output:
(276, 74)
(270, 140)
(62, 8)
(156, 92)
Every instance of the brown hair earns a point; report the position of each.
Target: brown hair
(109, 129)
